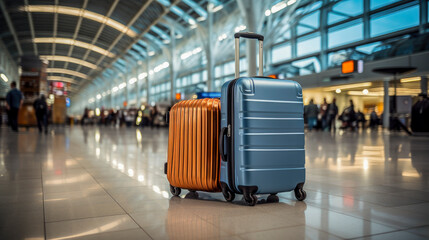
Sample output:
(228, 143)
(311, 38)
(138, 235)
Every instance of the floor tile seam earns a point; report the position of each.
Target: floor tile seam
(43, 202)
(377, 234)
(377, 205)
(360, 200)
(284, 227)
(313, 205)
(407, 205)
(350, 215)
(106, 191)
(82, 218)
(419, 234)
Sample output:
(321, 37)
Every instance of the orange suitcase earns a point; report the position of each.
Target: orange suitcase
(193, 157)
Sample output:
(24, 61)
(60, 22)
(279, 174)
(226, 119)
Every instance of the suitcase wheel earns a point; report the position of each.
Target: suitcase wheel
(192, 195)
(228, 195)
(175, 190)
(273, 198)
(250, 200)
(300, 194)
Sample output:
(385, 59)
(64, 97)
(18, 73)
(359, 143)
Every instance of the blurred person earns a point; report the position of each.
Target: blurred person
(332, 115)
(323, 114)
(41, 109)
(373, 119)
(14, 100)
(85, 116)
(153, 116)
(348, 117)
(311, 112)
(360, 118)
(420, 114)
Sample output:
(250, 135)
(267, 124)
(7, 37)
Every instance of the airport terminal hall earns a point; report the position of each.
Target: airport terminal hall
(214, 119)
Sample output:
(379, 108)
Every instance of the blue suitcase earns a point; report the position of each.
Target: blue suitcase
(262, 135)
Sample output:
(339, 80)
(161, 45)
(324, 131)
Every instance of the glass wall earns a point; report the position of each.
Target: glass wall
(349, 31)
(394, 20)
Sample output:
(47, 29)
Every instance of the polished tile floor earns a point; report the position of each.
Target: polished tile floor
(107, 183)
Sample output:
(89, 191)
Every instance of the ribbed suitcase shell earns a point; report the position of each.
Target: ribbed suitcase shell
(268, 134)
(193, 156)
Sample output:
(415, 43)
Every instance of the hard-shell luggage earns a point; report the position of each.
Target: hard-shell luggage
(262, 134)
(193, 156)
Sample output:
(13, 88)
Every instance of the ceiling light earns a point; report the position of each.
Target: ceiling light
(191, 21)
(132, 80)
(4, 77)
(348, 86)
(114, 89)
(200, 19)
(66, 71)
(222, 37)
(411, 79)
(69, 59)
(98, 96)
(365, 92)
(122, 85)
(69, 41)
(61, 79)
(279, 6)
(193, 26)
(166, 41)
(215, 9)
(142, 75)
(240, 28)
(179, 36)
(338, 90)
(79, 12)
(267, 12)
(290, 2)
(151, 53)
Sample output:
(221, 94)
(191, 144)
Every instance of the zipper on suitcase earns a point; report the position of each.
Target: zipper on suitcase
(230, 124)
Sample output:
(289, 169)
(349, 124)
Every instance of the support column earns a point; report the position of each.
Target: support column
(147, 79)
(247, 9)
(424, 84)
(324, 61)
(209, 52)
(126, 91)
(386, 99)
(366, 19)
(172, 65)
(111, 96)
(423, 15)
(136, 75)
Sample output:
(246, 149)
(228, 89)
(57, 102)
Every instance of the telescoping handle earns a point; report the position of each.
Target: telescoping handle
(249, 35)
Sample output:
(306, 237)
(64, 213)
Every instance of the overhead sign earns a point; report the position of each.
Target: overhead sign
(352, 66)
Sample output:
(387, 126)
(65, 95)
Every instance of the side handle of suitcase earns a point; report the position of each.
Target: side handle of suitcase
(248, 35)
(222, 134)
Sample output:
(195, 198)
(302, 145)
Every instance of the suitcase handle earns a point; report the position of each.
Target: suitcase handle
(223, 132)
(237, 51)
(249, 35)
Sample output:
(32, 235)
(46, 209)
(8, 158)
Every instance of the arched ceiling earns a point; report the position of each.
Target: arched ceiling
(81, 38)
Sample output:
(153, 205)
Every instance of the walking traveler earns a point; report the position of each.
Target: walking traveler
(41, 109)
(311, 112)
(14, 100)
(324, 114)
(332, 115)
(373, 119)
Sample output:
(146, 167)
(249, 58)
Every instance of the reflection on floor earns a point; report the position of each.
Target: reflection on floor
(106, 183)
